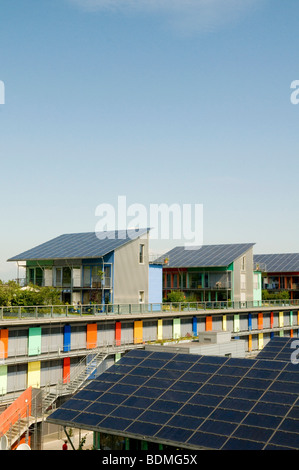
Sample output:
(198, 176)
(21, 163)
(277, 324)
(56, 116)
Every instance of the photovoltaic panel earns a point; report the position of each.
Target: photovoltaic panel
(283, 262)
(205, 256)
(80, 245)
(226, 404)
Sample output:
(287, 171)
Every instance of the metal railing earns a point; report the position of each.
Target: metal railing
(60, 311)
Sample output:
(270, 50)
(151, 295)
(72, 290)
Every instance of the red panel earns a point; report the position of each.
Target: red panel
(66, 369)
(271, 319)
(260, 321)
(118, 333)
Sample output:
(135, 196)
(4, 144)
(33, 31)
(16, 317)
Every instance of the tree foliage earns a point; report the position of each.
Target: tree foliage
(282, 295)
(12, 294)
(176, 296)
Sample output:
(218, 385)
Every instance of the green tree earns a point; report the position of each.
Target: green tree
(176, 296)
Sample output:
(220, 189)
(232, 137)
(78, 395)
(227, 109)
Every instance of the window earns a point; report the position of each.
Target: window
(141, 253)
(141, 296)
(243, 263)
(243, 281)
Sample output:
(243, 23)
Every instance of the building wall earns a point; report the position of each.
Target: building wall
(241, 294)
(59, 348)
(130, 276)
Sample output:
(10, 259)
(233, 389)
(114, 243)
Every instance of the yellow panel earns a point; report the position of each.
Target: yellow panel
(160, 329)
(261, 340)
(280, 319)
(138, 332)
(224, 323)
(33, 374)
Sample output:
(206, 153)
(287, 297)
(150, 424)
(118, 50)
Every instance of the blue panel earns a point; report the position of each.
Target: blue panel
(155, 284)
(249, 321)
(67, 338)
(194, 326)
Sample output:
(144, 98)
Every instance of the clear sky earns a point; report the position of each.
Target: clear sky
(163, 101)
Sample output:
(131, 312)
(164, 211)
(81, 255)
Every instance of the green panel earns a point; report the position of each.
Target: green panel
(236, 323)
(34, 341)
(291, 318)
(39, 263)
(3, 380)
(176, 328)
(117, 357)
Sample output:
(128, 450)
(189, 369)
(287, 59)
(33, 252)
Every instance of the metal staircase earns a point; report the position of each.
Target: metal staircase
(76, 379)
(47, 396)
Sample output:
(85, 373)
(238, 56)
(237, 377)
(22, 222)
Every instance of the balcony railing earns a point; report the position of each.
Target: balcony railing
(211, 286)
(60, 311)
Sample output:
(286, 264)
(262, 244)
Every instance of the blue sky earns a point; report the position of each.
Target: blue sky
(160, 101)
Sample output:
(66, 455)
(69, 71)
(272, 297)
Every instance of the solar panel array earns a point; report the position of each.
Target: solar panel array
(80, 245)
(285, 262)
(207, 255)
(193, 401)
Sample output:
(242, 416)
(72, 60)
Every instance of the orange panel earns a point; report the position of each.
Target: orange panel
(66, 369)
(91, 335)
(118, 333)
(209, 323)
(4, 344)
(291, 334)
(260, 321)
(249, 342)
(271, 319)
(138, 331)
(21, 407)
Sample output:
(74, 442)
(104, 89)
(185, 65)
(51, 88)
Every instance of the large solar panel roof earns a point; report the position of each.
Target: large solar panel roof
(80, 245)
(284, 262)
(193, 401)
(205, 256)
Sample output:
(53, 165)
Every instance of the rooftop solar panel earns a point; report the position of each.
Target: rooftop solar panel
(283, 262)
(80, 245)
(236, 404)
(205, 256)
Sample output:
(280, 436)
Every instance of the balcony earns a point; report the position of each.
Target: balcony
(97, 282)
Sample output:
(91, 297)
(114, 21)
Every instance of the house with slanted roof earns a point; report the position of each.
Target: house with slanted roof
(280, 272)
(212, 273)
(109, 267)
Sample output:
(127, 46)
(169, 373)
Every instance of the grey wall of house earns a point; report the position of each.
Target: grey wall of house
(248, 273)
(130, 276)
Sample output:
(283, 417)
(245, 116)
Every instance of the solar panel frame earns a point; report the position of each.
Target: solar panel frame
(205, 256)
(196, 413)
(86, 245)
